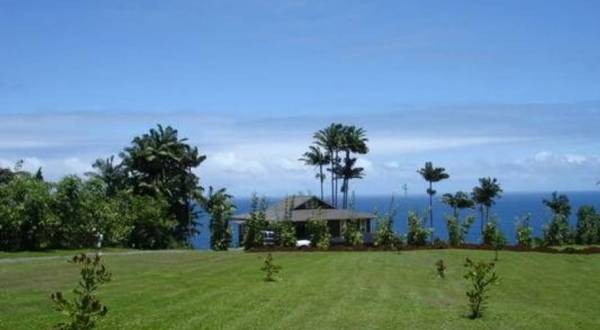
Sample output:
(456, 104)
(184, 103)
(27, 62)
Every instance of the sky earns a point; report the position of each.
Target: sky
(508, 89)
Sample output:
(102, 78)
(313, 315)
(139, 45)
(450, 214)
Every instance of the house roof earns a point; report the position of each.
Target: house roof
(304, 208)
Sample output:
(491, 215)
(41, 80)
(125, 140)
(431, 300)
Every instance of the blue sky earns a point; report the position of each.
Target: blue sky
(508, 89)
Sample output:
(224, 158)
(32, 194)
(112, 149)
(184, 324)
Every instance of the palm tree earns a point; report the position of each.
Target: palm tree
(315, 157)
(353, 140)
(348, 172)
(113, 175)
(329, 139)
(484, 195)
(559, 204)
(432, 174)
(460, 200)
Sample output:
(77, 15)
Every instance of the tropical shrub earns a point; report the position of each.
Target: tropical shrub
(481, 277)
(352, 234)
(319, 233)
(588, 226)
(417, 234)
(557, 231)
(285, 233)
(270, 269)
(84, 309)
(385, 236)
(524, 231)
(26, 219)
(219, 206)
(152, 223)
(457, 230)
(254, 226)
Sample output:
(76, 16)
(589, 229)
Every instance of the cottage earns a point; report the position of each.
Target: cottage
(301, 209)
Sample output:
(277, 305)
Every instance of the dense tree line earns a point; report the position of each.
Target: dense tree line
(148, 199)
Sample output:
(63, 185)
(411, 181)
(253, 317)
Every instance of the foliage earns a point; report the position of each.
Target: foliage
(524, 231)
(219, 206)
(319, 233)
(458, 230)
(317, 158)
(285, 233)
(270, 268)
(25, 214)
(588, 225)
(385, 236)
(335, 139)
(557, 231)
(417, 234)
(559, 204)
(440, 267)
(159, 163)
(352, 234)
(84, 309)
(484, 195)
(151, 221)
(459, 201)
(254, 226)
(481, 276)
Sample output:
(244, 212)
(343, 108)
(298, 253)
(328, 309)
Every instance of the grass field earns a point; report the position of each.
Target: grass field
(321, 290)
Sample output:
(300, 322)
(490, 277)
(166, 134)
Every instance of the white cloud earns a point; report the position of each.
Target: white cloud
(76, 165)
(230, 162)
(406, 144)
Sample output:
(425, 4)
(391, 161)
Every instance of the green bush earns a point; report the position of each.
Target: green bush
(440, 267)
(457, 230)
(352, 234)
(84, 309)
(385, 236)
(524, 231)
(481, 277)
(417, 234)
(319, 233)
(588, 225)
(558, 231)
(285, 233)
(254, 226)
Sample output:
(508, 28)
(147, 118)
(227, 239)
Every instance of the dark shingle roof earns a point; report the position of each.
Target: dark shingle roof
(304, 208)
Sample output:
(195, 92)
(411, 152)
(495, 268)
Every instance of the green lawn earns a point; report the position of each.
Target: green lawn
(328, 290)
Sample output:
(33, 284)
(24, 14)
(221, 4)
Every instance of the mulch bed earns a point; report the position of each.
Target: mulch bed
(366, 248)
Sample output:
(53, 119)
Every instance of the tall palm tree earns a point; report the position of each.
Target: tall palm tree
(315, 157)
(484, 195)
(353, 140)
(348, 172)
(329, 139)
(432, 174)
(459, 201)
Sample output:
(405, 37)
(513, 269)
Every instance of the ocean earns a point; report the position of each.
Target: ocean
(507, 209)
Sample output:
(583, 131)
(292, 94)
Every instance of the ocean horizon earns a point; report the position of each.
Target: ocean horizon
(507, 210)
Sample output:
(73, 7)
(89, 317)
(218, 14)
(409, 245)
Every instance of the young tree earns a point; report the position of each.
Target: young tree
(385, 236)
(484, 195)
(219, 206)
(432, 174)
(588, 225)
(524, 231)
(320, 237)
(558, 231)
(481, 276)
(84, 309)
(417, 234)
(254, 226)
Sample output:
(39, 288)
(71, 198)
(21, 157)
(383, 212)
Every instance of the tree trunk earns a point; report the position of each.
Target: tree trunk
(481, 210)
(431, 205)
(332, 180)
(321, 179)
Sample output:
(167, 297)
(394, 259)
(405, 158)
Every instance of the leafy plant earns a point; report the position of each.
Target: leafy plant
(219, 206)
(481, 276)
(285, 233)
(319, 233)
(440, 267)
(352, 234)
(524, 231)
(84, 309)
(254, 226)
(417, 234)
(270, 269)
(588, 225)
(457, 230)
(557, 231)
